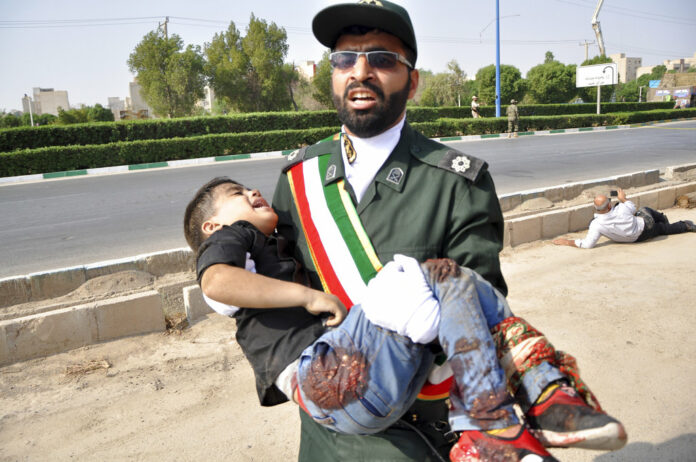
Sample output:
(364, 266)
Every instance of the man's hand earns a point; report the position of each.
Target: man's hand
(320, 302)
(561, 241)
(621, 195)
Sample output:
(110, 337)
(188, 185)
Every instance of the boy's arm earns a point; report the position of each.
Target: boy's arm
(236, 286)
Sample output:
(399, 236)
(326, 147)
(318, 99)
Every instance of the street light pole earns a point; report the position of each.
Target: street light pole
(497, 58)
(31, 116)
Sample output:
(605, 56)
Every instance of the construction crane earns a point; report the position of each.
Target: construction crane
(597, 28)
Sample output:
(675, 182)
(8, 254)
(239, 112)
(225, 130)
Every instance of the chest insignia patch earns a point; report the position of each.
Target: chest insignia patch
(460, 164)
(395, 175)
(331, 172)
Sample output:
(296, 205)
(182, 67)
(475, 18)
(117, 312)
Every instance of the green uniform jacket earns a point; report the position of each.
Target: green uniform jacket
(426, 201)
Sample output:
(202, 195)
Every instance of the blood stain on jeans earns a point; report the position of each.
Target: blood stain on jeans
(336, 378)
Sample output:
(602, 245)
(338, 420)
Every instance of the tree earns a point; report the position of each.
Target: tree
(449, 88)
(551, 82)
(99, 113)
(170, 76)
(321, 83)
(9, 120)
(589, 94)
(248, 72)
(512, 86)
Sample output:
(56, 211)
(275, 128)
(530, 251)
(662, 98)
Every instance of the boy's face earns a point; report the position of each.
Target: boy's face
(235, 203)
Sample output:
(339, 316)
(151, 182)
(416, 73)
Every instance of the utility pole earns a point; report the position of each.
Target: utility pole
(164, 26)
(586, 44)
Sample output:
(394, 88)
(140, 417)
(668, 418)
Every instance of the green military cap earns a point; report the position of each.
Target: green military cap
(380, 14)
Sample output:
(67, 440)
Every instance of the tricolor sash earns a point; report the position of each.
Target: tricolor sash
(334, 233)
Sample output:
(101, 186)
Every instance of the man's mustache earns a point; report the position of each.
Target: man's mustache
(364, 85)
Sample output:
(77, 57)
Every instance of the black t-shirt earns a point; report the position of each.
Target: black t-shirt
(270, 338)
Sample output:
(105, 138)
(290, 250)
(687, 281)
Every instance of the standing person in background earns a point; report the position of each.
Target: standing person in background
(513, 116)
(475, 107)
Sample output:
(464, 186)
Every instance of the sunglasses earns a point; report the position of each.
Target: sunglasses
(377, 59)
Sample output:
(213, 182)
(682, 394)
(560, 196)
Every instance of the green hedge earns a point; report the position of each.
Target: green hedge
(111, 132)
(66, 158)
(153, 129)
(491, 125)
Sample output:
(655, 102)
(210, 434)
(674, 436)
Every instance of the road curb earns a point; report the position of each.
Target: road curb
(283, 153)
(67, 328)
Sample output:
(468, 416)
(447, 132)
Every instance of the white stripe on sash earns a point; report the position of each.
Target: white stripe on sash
(331, 237)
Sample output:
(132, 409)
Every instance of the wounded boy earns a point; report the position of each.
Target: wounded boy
(360, 374)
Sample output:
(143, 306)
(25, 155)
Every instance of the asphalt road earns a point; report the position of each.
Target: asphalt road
(51, 224)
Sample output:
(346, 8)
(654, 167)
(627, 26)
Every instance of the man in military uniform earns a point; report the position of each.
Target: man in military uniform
(513, 116)
(413, 196)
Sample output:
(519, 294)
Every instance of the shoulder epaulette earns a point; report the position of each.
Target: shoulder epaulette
(462, 164)
(300, 155)
(446, 158)
(294, 158)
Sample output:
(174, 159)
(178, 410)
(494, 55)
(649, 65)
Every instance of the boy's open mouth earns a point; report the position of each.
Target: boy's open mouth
(260, 202)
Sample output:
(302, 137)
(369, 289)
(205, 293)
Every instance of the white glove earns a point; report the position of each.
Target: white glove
(399, 299)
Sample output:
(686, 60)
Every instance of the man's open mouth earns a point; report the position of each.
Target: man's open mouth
(361, 96)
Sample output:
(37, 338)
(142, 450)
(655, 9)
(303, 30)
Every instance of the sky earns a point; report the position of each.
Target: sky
(82, 46)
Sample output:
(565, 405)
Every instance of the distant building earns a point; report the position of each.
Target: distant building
(28, 105)
(627, 67)
(307, 69)
(47, 101)
(135, 103)
(680, 64)
(116, 106)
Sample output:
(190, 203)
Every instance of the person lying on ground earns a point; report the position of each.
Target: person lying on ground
(623, 223)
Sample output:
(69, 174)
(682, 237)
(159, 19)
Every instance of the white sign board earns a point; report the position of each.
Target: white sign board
(597, 74)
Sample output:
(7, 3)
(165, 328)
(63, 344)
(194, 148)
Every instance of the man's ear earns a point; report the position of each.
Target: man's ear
(210, 226)
(414, 83)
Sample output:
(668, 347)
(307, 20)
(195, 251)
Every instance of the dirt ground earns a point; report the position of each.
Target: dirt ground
(626, 311)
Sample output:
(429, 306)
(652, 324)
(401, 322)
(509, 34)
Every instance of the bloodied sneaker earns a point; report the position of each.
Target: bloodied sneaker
(475, 446)
(561, 418)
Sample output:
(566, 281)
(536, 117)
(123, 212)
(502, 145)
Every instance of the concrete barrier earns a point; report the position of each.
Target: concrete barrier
(52, 284)
(194, 305)
(572, 190)
(673, 172)
(68, 328)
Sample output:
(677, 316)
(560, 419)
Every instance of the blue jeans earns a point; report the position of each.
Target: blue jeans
(360, 378)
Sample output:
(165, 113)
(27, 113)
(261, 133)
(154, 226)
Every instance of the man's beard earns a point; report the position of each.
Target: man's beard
(371, 122)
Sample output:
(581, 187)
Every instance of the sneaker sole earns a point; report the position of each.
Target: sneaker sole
(610, 437)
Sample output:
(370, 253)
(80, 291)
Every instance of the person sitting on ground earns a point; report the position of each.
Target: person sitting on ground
(622, 223)
(383, 347)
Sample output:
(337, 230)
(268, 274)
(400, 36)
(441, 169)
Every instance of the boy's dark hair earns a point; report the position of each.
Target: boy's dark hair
(202, 207)
(362, 30)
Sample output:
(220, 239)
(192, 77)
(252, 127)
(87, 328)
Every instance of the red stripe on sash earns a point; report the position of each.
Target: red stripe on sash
(321, 259)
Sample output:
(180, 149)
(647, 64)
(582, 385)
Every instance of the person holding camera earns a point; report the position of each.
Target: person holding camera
(624, 223)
